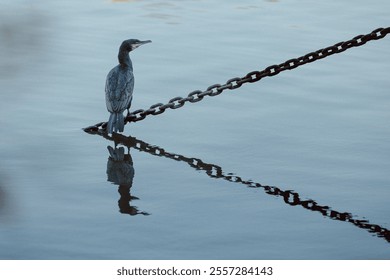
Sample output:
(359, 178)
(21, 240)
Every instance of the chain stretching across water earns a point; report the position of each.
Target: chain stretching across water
(253, 76)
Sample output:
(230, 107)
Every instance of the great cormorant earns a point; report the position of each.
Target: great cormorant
(120, 85)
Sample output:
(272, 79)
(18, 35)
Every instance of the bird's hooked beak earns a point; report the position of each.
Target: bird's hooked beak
(141, 43)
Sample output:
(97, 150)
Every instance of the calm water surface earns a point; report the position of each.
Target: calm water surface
(293, 167)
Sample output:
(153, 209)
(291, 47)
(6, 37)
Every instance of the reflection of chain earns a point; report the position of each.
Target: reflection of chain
(255, 76)
(214, 171)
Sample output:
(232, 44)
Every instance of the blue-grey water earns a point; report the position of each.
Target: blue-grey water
(310, 146)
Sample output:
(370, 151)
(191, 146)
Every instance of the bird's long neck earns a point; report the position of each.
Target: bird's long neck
(124, 59)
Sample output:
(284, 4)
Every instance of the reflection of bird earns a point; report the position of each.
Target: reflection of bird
(120, 171)
(120, 85)
(120, 168)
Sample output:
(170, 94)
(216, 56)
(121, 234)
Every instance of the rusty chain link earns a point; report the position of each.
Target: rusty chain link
(252, 77)
(290, 197)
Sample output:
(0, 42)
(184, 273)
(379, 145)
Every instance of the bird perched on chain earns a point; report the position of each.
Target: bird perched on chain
(120, 85)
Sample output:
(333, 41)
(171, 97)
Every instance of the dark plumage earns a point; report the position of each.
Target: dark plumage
(120, 85)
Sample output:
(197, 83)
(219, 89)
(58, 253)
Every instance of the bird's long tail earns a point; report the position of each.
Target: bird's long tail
(116, 123)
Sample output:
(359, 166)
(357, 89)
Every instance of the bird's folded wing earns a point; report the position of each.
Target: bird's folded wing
(118, 92)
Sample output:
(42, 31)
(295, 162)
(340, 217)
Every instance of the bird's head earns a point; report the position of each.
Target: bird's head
(132, 44)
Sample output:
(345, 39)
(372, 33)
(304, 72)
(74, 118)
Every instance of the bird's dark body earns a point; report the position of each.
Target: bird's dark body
(119, 93)
(120, 86)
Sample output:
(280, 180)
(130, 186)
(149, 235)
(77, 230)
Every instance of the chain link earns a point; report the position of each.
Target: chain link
(253, 76)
